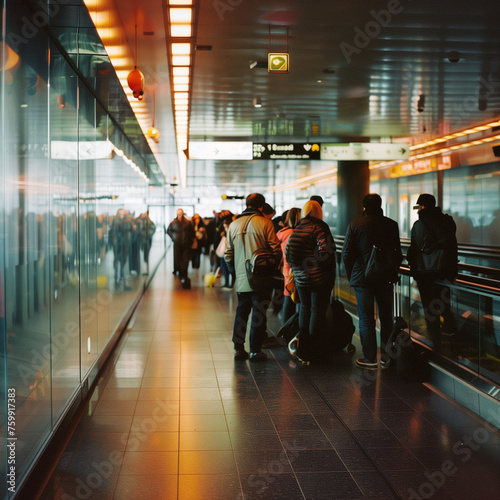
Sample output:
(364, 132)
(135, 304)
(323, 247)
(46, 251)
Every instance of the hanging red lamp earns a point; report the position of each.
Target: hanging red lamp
(135, 80)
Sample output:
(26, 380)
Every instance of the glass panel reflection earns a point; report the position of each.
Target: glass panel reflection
(62, 186)
(64, 235)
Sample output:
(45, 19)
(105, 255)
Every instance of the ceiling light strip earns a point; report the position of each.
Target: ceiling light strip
(437, 152)
(180, 43)
(456, 135)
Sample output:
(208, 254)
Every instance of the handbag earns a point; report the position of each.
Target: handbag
(262, 267)
(382, 264)
(432, 255)
(431, 260)
(291, 288)
(221, 248)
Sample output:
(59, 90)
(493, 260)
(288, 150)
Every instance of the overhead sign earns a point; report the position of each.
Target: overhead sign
(81, 150)
(278, 62)
(286, 151)
(220, 150)
(365, 151)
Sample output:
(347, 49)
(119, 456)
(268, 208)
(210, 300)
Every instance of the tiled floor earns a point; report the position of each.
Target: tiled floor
(178, 418)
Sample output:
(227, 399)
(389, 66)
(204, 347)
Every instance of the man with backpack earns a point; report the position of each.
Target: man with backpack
(251, 234)
(433, 259)
(372, 256)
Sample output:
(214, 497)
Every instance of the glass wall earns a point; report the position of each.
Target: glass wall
(470, 195)
(76, 242)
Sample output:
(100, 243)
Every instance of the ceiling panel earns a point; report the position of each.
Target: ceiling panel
(343, 83)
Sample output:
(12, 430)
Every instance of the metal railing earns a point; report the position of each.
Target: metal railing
(475, 302)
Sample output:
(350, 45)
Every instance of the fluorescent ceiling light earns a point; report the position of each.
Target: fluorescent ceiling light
(180, 71)
(180, 30)
(182, 49)
(181, 60)
(180, 16)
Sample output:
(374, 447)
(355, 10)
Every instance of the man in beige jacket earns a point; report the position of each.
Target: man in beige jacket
(240, 246)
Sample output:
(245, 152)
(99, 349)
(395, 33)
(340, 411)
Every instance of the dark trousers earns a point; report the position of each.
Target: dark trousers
(289, 308)
(436, 303)
(196, 257)
(257, 303)
(147, 247)
(228, 276)
(182, 256)
(312, 316)
(381, 294)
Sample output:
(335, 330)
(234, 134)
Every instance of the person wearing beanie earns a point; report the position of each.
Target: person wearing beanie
(369, 230)
(247, 235)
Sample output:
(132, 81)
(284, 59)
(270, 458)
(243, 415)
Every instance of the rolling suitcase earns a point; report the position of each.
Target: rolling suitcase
(408, 357)
(290, 329)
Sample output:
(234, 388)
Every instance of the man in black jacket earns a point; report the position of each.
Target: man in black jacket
(181, 231)
(372, 229)
(433, 259)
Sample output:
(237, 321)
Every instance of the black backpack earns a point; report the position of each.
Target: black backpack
(383, 264)
(340, 323)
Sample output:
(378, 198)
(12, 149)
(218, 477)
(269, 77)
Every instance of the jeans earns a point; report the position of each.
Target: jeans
(227, 274)
(313, 306)
(381, 293)
(257, 303)
(289, 308)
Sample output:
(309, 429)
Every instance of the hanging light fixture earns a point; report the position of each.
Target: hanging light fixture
(135, 78)
(153, 132)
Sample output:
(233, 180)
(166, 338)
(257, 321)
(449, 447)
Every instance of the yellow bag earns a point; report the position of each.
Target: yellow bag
(291, 288)
(211, 278)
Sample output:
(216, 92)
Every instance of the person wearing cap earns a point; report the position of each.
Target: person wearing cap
(434, 233)
(369, 230)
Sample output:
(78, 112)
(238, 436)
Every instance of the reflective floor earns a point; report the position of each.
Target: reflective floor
(177, 417)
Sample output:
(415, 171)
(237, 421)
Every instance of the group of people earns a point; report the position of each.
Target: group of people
(192, 237)
(127, 236)
(305, 246)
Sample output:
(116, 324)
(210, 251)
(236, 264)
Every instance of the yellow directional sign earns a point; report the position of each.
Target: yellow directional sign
(278, 62)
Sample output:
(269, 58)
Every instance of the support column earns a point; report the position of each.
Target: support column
(353, 183)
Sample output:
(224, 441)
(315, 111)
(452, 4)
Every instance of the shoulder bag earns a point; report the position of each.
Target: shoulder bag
(262, 267)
